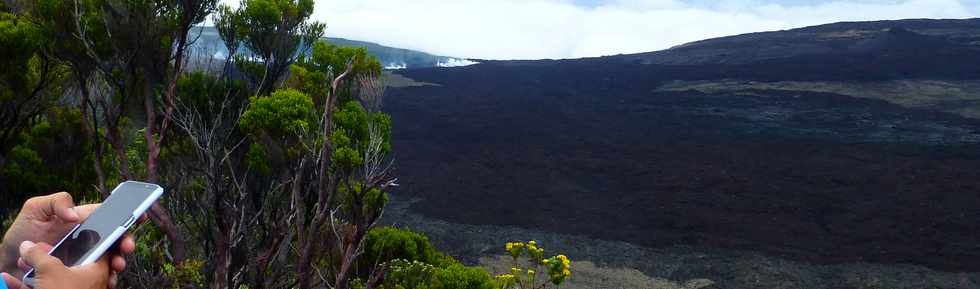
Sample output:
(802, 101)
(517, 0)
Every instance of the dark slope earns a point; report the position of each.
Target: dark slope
(596, 147)
(843, 38)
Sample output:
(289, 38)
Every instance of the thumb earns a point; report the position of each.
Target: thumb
(95, 271)
(36, 255)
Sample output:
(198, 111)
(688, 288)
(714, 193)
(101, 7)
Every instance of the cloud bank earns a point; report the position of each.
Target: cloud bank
(534, 29)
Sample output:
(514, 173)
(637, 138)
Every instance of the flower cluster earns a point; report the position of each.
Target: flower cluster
(515, 249)
(536, 253)
(558, 267)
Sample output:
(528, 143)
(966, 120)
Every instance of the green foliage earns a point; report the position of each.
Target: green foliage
(373, 199)
(190, 272)
(328, 61)
(256, 158)
(406, 274)
(252, 69)
(231, 27)
(51, 155)
(457, 276)
(381, 123)
(19, 41)
(28, 78)
(151, 249)
(136, 154)
(333, 59)
(127, 57)
(345, 157)
(57, 18)
(353, 119)
(199, 89)
(415, 264)
(286, 112)
(351, 136)
(389, 243)
(271, 29)
(206, 94)
(309, 81)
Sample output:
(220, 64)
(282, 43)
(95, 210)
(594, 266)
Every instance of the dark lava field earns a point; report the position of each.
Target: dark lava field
(595, 147)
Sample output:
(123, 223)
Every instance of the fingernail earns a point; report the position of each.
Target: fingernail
(26, 245)
(74, 214)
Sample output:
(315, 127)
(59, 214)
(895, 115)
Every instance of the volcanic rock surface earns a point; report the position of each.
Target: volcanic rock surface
(601, 147)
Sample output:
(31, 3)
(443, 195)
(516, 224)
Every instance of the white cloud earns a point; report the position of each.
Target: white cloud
(531, 29)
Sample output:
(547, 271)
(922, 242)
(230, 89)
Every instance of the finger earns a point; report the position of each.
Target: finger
(113, 280)
(23, 264)
(125, 247)
(85, 210)
(11, 281)
(36, 256)
(64, 207)
(128, 245)
(60, 205)
(118, 263)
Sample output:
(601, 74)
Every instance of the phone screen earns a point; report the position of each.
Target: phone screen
(117, 212)
(74, 247)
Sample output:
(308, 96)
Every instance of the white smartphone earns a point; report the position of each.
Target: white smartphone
(88, 241)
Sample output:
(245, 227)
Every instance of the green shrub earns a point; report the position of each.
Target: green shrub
(408, 274)
(457, 276)
(384, 244)
(284, 112)
(405, 274)
(415, 264)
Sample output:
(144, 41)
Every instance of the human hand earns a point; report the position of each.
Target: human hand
(51, 273)
(47, 219)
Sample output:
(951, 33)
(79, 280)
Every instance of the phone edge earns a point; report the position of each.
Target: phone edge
(114, 237)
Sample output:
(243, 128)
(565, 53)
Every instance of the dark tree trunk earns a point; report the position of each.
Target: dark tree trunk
(90, 127)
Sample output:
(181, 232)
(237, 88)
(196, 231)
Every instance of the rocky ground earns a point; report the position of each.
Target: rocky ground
(612, 264)
(813, 171)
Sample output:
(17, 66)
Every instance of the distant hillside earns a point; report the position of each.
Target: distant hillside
(209, 43)
(937, 37)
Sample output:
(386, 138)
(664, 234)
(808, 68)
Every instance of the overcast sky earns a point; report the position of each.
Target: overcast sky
(533, 29)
